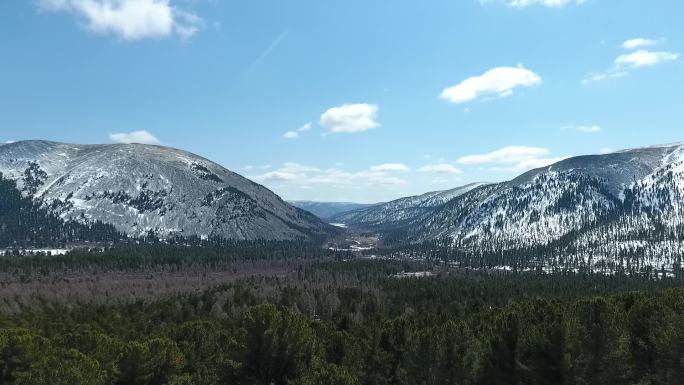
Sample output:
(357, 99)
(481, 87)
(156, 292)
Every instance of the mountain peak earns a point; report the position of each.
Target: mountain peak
(141, 188)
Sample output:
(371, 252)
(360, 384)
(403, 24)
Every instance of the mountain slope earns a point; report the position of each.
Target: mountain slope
(620, 201)
(400, 211)
(24, 223)
(325, 210)
(143, 188)
(545, 204)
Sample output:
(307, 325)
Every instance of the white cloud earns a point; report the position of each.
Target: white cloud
(513, 158)
(644, 58)
(588, 129)
(498, 82)
(440, 168)
(623, 64)
(252, 167)
(529, 164)
(291, 135)
(527, 3)
(129, 19)
(305, 127)
(307, 176)
(506, 155)
(289, 172)
(600, 76)
(350, 118)
(142, 137)
(9, 141)
(389, 167)
(546, 3)
(605, 150)
(295, 134)
(386, 180)
(279, 176)
(298, 168)
(638, 42)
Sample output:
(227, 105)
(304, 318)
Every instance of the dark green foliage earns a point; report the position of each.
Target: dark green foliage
(33, 178)
(274, 347)
(205, 173)
(24, 223)
(349, 323)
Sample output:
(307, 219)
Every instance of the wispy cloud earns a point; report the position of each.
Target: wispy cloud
(440, 168)
(266, 52)
(512, 158)
(529, 164)
(591, 129)
(307, 176)
(262, 167)
(389, 167)
(643, 58)
(600, 76)
(350, 118)
(129, 19)
(142, 137)
(638, 42)
(294, 134)
(625, 63)
(498, 82)
(528, 3)
(510, 154)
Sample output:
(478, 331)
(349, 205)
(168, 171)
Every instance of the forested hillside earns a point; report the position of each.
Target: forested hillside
(25, 223)
(623, 210)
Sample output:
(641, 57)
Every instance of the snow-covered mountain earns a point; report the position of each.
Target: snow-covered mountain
(325, 210)
(624, 200)
(399, 212)
(142, 188)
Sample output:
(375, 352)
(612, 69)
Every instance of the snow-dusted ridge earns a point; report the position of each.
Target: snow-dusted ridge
(141, 188)
(595, 199)
(397, 212)
(326, 210)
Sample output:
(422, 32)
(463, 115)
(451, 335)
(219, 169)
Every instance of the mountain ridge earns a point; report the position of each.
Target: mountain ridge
(326, 210)
(406, 207)
(141, 188)
(613, 202)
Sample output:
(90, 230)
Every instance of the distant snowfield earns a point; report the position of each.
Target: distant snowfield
(340, 225)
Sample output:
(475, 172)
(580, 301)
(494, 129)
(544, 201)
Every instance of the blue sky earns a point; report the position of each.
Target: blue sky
(356, 100)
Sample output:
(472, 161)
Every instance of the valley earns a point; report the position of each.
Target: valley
(443, 192)
(394, 285)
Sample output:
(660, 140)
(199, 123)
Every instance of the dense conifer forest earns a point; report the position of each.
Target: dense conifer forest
(324, 318)
(24, 222)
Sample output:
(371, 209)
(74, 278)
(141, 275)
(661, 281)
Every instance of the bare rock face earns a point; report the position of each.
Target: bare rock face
(144, 188)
